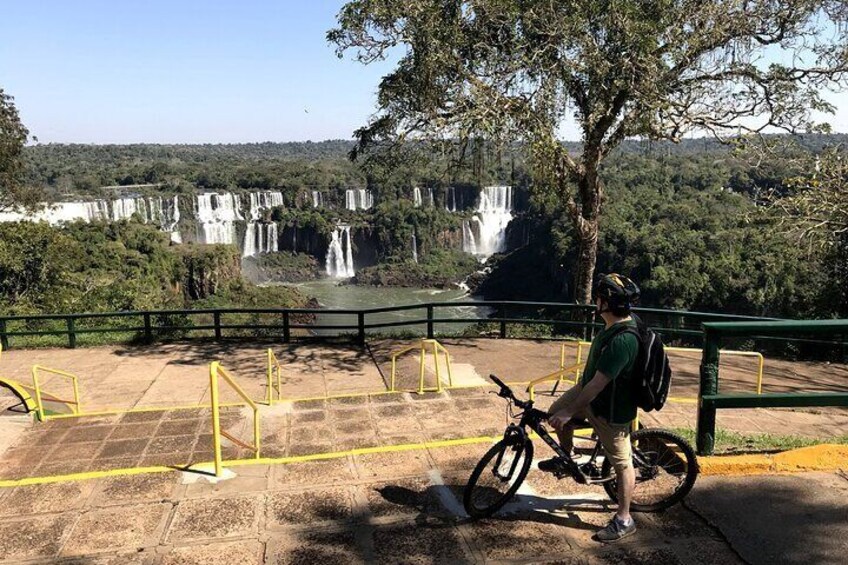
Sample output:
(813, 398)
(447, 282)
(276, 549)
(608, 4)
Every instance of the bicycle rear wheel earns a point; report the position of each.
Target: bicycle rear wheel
(666, 468)
(497, 477)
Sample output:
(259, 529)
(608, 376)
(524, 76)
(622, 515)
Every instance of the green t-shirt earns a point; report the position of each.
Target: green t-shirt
(615, 358)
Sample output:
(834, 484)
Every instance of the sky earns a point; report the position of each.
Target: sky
(127, 71)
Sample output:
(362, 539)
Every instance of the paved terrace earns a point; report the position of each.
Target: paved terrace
(379, 507)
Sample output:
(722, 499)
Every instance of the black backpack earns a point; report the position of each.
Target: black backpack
(651, 372)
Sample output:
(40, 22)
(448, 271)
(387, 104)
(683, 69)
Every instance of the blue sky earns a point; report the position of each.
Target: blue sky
(124, 71)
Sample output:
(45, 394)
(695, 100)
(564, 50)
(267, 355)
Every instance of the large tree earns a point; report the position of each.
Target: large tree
(13, 137)
(511, 70)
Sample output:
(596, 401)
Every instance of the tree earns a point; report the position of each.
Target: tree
(814, 208)
(512, 70)
(13, 137)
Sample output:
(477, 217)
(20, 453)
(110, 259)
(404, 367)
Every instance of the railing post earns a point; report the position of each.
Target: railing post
(286, 328)
(4, 339)
(709, 385)
(430, 333)
(148, 330)
(72, 334)
(502, 315)
(216, 320)
(361, 323)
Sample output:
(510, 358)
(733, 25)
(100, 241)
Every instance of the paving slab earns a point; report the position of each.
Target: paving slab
(779, 518)
(117, 528)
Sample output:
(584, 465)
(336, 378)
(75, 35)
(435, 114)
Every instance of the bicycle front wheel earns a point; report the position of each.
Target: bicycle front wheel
(497, 477)
(666, 468)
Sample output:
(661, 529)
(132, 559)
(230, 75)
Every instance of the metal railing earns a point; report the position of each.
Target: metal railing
(275, 378)
(42, 395)
(216, 371)
(710, 399)
(563, 319)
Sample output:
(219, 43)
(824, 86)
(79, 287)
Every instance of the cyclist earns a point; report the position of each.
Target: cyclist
(603, 397)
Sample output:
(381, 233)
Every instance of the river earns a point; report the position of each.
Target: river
(331, 295)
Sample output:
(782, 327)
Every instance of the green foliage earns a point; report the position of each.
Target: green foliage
(119, 266)
(439, 268)
(729, 442)
(13, 137)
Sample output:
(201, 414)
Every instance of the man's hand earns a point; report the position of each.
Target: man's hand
(561, 418)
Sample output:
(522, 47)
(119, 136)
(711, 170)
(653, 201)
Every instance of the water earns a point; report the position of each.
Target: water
(330, 295)
(485, 234)
(216, 216)
(261, 237)
(339, 261)
(358, 199)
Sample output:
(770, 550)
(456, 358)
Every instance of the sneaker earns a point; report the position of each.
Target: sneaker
(552, 465)
(616, 530)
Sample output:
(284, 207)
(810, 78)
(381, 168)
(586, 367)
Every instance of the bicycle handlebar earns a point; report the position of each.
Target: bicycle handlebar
(506, 392)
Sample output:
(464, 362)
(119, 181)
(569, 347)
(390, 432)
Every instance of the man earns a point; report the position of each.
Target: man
(604, 396)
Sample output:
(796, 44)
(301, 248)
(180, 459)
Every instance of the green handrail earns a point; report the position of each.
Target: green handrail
(709, 397)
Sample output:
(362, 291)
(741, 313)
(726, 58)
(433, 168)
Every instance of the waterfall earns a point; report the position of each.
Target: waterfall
(414, 248)
(152, 210)
(261, 237)
(339, 263)
(494, 212)
(450, 199)
(216, 216)
(358, 199)
(171, 219)
(469, 245)
(430, 197)
(416, 197)
(317, 199)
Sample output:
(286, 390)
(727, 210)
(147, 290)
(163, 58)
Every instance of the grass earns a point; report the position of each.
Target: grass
(727, 442)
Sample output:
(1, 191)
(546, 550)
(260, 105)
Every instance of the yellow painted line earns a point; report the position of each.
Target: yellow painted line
(259, 461)
(29, 481)
(115, 411)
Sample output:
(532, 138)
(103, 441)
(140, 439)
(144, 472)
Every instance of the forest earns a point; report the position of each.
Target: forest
(694, 223)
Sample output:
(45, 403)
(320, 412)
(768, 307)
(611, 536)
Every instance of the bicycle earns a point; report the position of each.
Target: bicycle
(666, 465)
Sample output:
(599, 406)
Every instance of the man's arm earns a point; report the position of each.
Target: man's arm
(587, 395)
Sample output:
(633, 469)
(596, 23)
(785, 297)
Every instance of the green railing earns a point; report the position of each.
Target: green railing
(710, 398)
(426, 318)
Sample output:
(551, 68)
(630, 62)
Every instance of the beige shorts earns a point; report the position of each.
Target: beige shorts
(614, 437)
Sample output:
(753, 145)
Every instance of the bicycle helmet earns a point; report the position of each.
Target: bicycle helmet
(619, 292)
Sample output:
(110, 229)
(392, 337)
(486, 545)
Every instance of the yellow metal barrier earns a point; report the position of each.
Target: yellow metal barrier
(275, 376)
(760, 360)
(217, 371)
(758, 355)
(555, 376)
(435, 347)
(41, 396)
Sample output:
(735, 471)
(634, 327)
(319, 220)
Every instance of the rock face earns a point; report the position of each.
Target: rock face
(209, 268)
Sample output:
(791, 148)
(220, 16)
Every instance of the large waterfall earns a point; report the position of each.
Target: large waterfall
(339, 263)
(261, 237)
(216, 217)
(485, 233)
(416, 197)
(358, 199)
(163, 212)
(317, 199)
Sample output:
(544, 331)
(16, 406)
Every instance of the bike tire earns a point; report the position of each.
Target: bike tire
(684, 449)
(525, 449)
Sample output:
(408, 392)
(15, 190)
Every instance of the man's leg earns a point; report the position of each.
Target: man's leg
(617, 448)
(626, 480)
(566, 434)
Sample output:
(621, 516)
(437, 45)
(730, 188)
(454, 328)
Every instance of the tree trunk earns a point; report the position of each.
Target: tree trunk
(586, 227)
